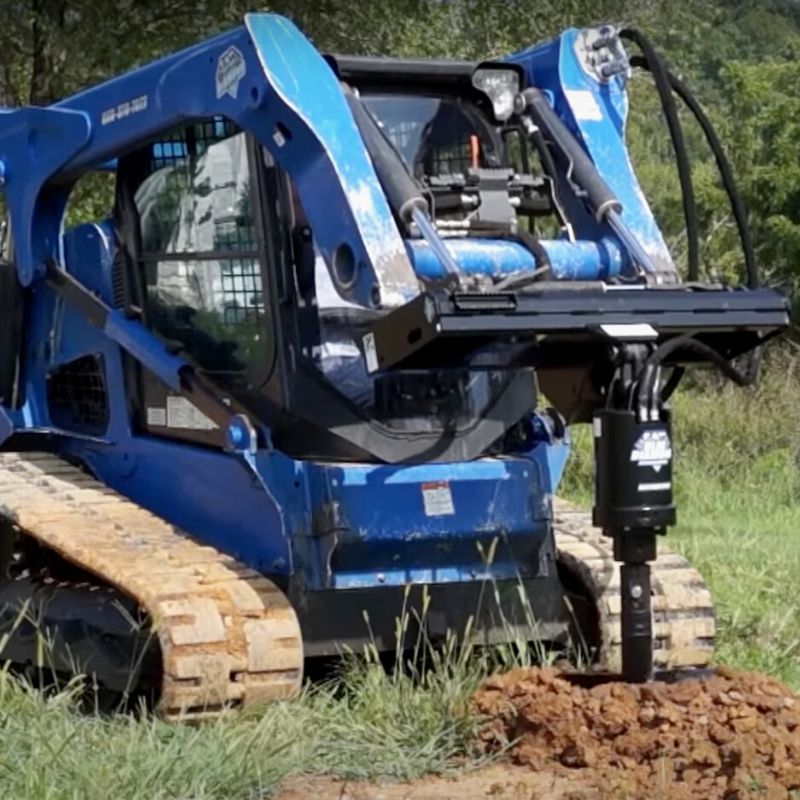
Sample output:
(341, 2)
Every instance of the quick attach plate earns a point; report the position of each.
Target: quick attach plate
(447, 330)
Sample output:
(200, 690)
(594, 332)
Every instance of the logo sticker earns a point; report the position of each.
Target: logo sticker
(230, 71)
(652, 449)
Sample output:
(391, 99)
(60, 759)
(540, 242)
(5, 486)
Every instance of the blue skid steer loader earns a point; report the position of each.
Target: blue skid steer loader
(292, 387)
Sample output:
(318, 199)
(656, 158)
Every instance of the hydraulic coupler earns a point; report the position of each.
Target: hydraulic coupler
(633, 504)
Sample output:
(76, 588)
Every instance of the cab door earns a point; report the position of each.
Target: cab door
(190, 221)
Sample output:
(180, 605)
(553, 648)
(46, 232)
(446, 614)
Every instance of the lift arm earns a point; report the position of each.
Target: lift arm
(268, 79)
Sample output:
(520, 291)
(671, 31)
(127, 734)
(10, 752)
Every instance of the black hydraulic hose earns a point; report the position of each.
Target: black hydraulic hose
(584, 172)
(652, 61)
(646, 388)
(532, 243)
(550, 170)
(401, 190)
(726, 174)
(672, 383)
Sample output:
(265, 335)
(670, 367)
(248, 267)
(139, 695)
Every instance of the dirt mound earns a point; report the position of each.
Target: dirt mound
(732, 735)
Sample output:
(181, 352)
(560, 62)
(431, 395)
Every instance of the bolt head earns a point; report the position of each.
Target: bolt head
(237, 435)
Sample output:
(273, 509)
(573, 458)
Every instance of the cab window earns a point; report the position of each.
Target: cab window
(199, 249)
(435, 136)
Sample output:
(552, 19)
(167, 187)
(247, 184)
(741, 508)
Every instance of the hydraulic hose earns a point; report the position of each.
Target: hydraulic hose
(551, 171)
(726, 174)
(662, 76)
(667, 83)
(671, 384)
(651, 61)
(401, 190)
(582, 172)
(645, 395)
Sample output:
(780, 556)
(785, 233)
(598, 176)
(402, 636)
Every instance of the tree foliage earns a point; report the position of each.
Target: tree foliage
(741, 57)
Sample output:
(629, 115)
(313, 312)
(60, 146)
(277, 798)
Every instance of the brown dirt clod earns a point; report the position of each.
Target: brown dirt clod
(729, 736)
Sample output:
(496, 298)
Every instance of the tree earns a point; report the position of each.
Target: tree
(764, 131)
(740, 57)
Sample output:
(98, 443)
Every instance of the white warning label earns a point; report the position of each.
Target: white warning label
(156, 416)
(370, 352)
(584, 105)
(183, 414)
(437, 499)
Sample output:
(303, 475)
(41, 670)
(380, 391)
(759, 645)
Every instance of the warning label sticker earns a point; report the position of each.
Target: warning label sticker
(156, 416)
(584, 105)
(183, 414)
(370, 352)
(437, 499)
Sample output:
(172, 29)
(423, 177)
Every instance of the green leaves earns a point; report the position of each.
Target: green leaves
(741, 58)
(764, 131)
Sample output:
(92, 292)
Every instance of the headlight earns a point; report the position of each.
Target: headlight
(500, 85)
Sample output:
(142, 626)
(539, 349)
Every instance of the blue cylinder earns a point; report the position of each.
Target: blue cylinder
(577, 261)
(584, 260)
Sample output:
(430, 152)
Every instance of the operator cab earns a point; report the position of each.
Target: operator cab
(219, 261)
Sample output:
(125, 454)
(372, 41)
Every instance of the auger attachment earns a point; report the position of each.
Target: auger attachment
(633, 502)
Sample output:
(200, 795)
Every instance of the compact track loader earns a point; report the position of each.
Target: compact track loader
(293, 386)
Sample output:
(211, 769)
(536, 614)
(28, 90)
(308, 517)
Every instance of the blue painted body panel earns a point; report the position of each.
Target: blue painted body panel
(382, 534)
(275, 521)
(89, 128)
(382, 529)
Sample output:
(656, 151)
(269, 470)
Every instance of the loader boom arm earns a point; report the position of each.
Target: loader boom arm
(247, 75)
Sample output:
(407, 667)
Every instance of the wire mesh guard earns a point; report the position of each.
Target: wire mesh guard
(200, 245)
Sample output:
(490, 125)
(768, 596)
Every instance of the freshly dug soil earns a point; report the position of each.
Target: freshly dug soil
(732, 735)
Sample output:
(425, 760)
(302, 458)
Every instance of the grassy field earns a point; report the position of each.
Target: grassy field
(738, 489)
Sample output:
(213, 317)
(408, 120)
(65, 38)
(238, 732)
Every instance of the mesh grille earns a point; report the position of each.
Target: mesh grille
(169, 152)
(241, 290)
(174, 149)
(453, 159)
(200, 247)
(77, 397)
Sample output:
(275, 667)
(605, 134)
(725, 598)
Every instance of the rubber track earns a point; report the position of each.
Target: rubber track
(228, 635)
(683, 616)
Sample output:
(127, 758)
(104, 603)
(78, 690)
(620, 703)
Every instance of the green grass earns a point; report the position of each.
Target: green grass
(738, 489)
(739, 518)
(364, 724)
